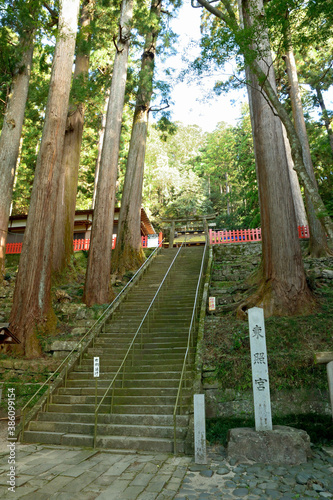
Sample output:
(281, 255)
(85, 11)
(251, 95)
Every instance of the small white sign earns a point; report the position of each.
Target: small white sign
(212, 224)
(211, 304)
(260, 380)
(96, 366)
(152, 241)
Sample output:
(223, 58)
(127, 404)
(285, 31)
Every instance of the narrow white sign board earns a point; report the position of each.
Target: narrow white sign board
(200, 455)
(260, 380)
(152, 241)
(96, 366)
(211, 304)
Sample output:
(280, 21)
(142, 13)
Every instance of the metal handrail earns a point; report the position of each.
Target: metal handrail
(122, 365)
(79, 344)
(190, 340)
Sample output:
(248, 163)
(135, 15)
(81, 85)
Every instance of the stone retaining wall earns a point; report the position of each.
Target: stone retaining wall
(233, 264)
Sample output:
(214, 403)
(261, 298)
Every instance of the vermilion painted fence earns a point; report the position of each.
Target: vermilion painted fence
(220, 237)
(81, 244)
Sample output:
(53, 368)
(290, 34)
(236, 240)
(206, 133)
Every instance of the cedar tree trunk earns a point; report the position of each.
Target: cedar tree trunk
(10, 139)
(318, 244)
(325, 116)
(100, 145)
(97, 288)
(283, 289)
(64, 225)
(128, 253)
(300, 212)
(269, 92)
(32, 312)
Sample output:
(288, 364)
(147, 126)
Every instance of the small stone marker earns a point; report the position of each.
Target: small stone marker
(329, 368)
(260, 380)
(199, 429)
(327, 358)
(211, 304)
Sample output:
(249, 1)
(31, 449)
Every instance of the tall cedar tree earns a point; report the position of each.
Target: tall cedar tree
(246, 48)
(282, 289)
(97, 285)
(318, 243)
(12, 128)
(300, 212)
(128, 253)
(32, 310)
(64, 224)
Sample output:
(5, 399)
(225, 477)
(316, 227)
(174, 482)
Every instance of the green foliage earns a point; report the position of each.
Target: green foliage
(291, 344)
(191, 173)
(23, 391)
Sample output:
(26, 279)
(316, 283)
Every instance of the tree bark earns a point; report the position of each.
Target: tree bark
(64, 223)
(32, 311)
(128, 253)
(97, 288)
(10, 139)
(268, 91)
(100, 146)
(318, 244)
(300, 212)
(324, 115)
(283, 289)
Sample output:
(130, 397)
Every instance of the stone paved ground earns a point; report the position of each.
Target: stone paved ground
(44, 472)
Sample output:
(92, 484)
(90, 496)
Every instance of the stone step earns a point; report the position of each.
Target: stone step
(145, 365)
(150, 343)
(158, 354)
(139, 444)
(108, 442)
(120, 398)
(130, 391)
(122, 419)
(144, 376)
(143, 404)
(117, 409)
(108, 429)
(134, 383)
(106, 339)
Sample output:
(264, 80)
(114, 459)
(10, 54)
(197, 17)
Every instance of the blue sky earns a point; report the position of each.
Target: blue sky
(189, 107)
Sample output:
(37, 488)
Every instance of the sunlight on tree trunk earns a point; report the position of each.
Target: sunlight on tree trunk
(318, 244)
(283, 289)
(10, 139)
(97, 289)
(64, 223)
(325, 116)
(300, 212)
(32, 311)
(128, 253)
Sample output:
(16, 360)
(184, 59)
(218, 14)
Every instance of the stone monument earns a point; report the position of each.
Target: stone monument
(266, 443)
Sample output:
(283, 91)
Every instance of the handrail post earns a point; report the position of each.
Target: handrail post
(112, 399)
(95, 428)
(175, 433)
(48, 398)
(23, 425)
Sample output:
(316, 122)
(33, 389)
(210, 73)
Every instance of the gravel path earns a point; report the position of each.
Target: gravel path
(223, 479)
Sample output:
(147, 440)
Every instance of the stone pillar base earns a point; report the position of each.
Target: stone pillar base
(282, 445)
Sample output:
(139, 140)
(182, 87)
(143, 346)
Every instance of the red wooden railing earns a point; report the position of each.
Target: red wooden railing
(244, 235)
(81, 244)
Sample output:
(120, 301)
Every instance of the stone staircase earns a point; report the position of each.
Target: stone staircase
(142, 415)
